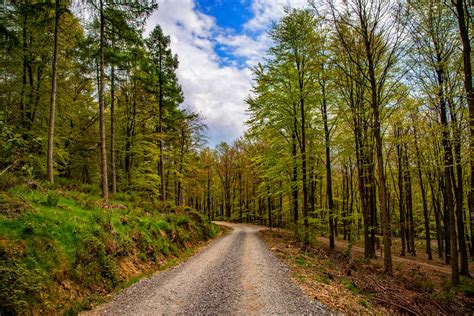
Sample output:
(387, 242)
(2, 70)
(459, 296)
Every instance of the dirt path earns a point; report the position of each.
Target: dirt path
(236, 274)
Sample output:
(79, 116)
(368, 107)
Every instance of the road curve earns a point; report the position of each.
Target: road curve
(236, 274)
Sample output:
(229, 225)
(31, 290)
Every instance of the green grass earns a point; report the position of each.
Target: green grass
(58, 246)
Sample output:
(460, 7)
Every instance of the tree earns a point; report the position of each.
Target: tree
(462, 9)
(162, 78)
(294, 37)
(52, 113)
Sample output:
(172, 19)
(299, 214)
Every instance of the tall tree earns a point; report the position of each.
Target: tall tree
(52, 113)
(164, 84)
(463, 17)
(294, 37)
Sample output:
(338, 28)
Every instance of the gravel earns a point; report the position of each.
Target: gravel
(236, 274)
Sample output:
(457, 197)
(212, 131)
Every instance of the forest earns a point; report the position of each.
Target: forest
(360, 122)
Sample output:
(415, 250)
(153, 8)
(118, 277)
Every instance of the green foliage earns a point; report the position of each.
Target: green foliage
(12, 206)
(52, 199)
(351, 286)
(182, 220)
(20, 286)
(92, 264)
(467, 287)
(421, 282)
(8, 180)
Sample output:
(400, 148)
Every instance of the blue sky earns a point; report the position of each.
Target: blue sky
(217, 42)
(229, 14)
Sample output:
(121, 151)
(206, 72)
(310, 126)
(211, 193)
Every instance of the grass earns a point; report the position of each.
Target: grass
(61, 251)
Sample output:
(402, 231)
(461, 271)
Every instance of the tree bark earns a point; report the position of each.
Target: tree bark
(332, 245)
(461, 9)
(112, 132)
(448, 162)
(409, 204)
(294, 180)
(459, 190)
(52, 110)
(103, 148)
(160, 132)
(423, 196)
(401, 199)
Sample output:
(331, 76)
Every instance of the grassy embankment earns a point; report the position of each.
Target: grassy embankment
(61, 250)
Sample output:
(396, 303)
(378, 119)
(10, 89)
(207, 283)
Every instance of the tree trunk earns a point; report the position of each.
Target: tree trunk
(103, 148)
(401, 199)
(23, 75)
(160, 136)
(448, 162)
(304, 174)
(459, 190)
(269, 203)
(461, 9)
(294, 180)
(385, 214)
(409, 204)
(332, 245)
(112, 131)
(423, 196)
(52, 110)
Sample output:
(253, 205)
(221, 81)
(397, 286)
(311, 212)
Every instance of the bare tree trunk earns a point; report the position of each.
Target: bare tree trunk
(459, 190)
(160, 137)
(294, 180)
(23, 75)
(448, 162)
(461, 10)
(112, 132)
(103, 148)
(269, 204)
(52, 110)
(304, 173)
(401, 199)
(409, 204)
(423, 197)
(209, 193)
(328, 167)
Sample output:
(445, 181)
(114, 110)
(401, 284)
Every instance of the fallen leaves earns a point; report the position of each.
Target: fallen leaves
(348, 283)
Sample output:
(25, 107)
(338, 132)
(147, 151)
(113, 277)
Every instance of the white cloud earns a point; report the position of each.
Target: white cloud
(216, 91)
(215, 86)
(268, 11)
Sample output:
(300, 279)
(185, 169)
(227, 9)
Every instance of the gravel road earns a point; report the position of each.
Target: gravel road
(236, 274)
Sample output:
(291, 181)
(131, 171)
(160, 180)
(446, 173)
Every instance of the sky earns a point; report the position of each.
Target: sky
(217, 42)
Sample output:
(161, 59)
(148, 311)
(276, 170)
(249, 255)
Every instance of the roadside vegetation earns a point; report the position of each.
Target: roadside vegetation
(346, 282)
(62, 249)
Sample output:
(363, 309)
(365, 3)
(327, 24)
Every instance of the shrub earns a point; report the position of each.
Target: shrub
(52, 199)
(163, 225)
(13, 206)
(93, 267)
(182, 220)
(20, 287)
(7, 181)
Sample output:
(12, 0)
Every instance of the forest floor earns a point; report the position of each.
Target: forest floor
(235, 274)
(348, 283)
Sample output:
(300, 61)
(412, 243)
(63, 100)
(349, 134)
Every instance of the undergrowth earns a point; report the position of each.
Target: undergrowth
(60, 248)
